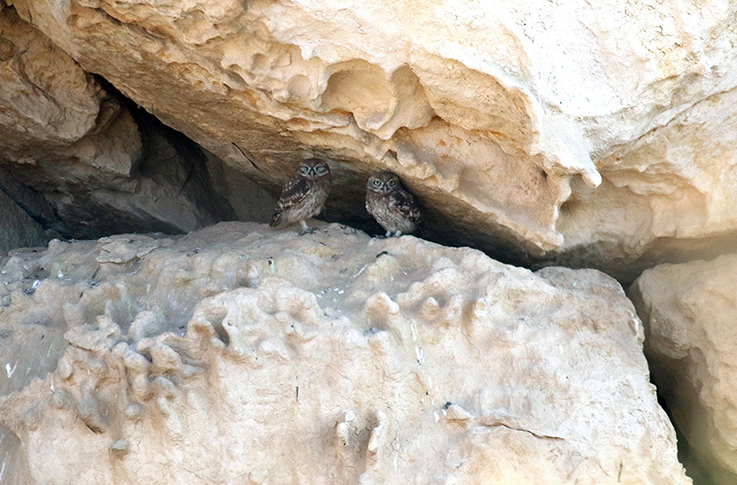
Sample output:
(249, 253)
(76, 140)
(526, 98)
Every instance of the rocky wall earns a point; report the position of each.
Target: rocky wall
(100, 164)
(542, 133)
(588, 135)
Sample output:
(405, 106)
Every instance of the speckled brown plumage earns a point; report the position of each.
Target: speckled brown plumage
(304, 194)
(391, 205)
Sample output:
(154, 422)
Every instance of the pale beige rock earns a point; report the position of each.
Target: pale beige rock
(47, 100)
(537, 130)
(689, 311)
(239, 354)
(676, 186)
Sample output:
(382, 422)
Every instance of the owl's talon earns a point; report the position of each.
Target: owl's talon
(307, 230)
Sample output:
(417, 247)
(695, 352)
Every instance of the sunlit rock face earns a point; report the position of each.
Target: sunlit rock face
(584, 134)
(241, 353)
(689, 314)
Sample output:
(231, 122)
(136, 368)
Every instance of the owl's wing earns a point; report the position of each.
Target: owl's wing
(293, 193)
(296, 189)
(406, 204)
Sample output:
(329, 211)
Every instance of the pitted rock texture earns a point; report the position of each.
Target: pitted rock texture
(588, 135)
(689, 313)
(239, 354)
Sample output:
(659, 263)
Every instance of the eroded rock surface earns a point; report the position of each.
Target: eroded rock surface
(582, 134)
(239, 354)
(689, 313)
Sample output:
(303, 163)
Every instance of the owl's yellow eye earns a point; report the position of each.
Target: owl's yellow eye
(392, 183)
(377, 183)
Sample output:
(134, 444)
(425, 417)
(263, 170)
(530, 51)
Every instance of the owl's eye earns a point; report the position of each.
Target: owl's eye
(304, 169)
(321, 168)
(392, 183)
(377, 183)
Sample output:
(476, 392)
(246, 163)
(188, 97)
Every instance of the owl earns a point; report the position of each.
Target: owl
(304, 194)
(391, 205)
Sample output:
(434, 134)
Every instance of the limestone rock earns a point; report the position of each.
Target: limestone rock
(689, 311)
(239, 354)
(575, 133)
(47, 99)
(99, 166)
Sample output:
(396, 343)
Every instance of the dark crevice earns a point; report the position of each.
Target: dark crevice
(167, 151)
(344, 206)
(168, 189)
(32, 203)
(686, 455)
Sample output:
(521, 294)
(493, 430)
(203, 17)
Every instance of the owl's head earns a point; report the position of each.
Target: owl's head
(314, 168)
(383, 182)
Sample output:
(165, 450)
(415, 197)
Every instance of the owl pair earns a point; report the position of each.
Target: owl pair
(305, 194)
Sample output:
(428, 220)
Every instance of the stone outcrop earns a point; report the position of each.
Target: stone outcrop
(583, 134)
(689, 314)
(240, 353)
(588, 135)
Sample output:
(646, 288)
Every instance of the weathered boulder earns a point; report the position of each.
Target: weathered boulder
(240, 354)
(581, 134)
(689, 315)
